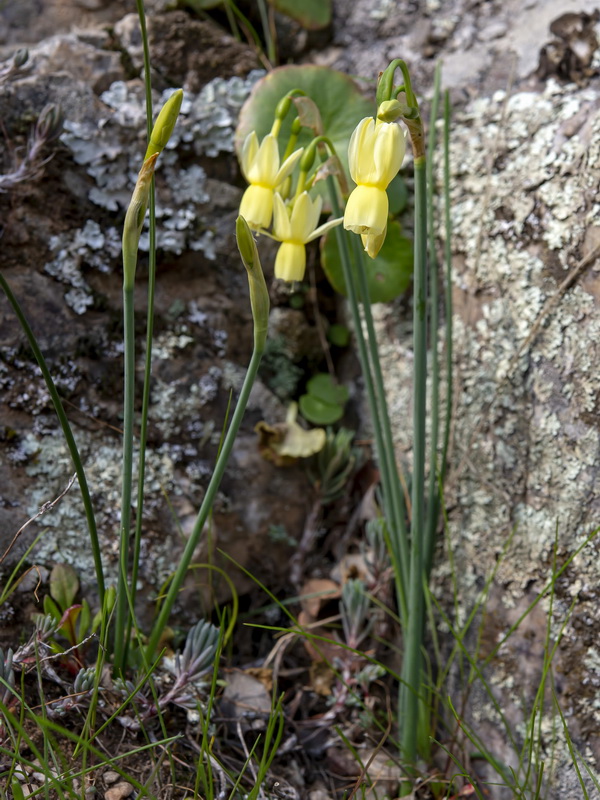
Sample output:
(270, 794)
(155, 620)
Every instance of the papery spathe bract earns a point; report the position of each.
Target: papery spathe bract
(294, 231)
(375, 155)
(261, 168)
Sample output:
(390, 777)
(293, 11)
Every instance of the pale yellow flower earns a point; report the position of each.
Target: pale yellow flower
(262, 170)
(294, 231)
(375, 155)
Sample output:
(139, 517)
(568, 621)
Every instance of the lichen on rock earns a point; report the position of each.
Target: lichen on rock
(525, 459)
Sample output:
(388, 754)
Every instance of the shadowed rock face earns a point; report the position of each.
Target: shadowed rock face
(61, 255)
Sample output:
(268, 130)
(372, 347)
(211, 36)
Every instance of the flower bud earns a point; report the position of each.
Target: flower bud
(246, 244)
(50, 123)
(389, 111)
(259, 294)
(165, 122)
(283, 106)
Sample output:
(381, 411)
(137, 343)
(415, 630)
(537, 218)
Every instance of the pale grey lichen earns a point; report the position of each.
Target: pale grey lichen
(111, 150)
(64, 533)
(87, 247)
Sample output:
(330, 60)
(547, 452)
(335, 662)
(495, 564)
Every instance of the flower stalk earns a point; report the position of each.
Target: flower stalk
(259, 299)
(132, 229)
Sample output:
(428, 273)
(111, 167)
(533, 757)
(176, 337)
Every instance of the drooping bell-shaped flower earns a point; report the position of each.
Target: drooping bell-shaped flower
(262, 170)
(295, 231)
(375, 155)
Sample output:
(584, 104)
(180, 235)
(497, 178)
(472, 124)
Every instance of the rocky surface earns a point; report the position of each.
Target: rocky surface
(522, 492)
(64, 266)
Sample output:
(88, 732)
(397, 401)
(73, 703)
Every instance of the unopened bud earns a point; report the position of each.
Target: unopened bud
(259, 294)
(246, 244)
(390, 111)
(50, 123)
(282, 107)
(165, 122)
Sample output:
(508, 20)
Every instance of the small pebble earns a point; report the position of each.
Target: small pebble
(110, 776)
(119, 791)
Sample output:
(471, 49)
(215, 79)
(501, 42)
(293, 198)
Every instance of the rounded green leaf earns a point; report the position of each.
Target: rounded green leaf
(337, 97)
(318, 412)
(324, 388)
(398, 195)
(311, 14)
(388, 276)
(338, 335)
(199, 6)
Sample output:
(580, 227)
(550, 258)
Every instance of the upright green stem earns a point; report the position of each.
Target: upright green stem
(122, 607)
(401, 562)
(412, 662)
(149, 326)
(389, 465)
(448, 263)
(67, 433)
(433, 493)
(268, 33)
(205, 509)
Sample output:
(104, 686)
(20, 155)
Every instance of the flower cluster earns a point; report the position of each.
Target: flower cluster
(375, 155)
(295, 222)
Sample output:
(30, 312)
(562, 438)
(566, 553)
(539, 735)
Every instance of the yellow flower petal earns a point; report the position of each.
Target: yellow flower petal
(249, 151)
(388, 153)
(265, 165)
(257, 206)
(373, 243)
(282, 229)
(287, 167)
(305, 216)
(290, 262)
(367, 210)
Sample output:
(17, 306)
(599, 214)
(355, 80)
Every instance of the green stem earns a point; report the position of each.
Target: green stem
(122, 611)
(389, 465)
(264, 18)
(411, 666)
(205, 509)
(433, 503)
(235, 31)
(67, 433)
(400, 563)
(149, 328)
(448, 262)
